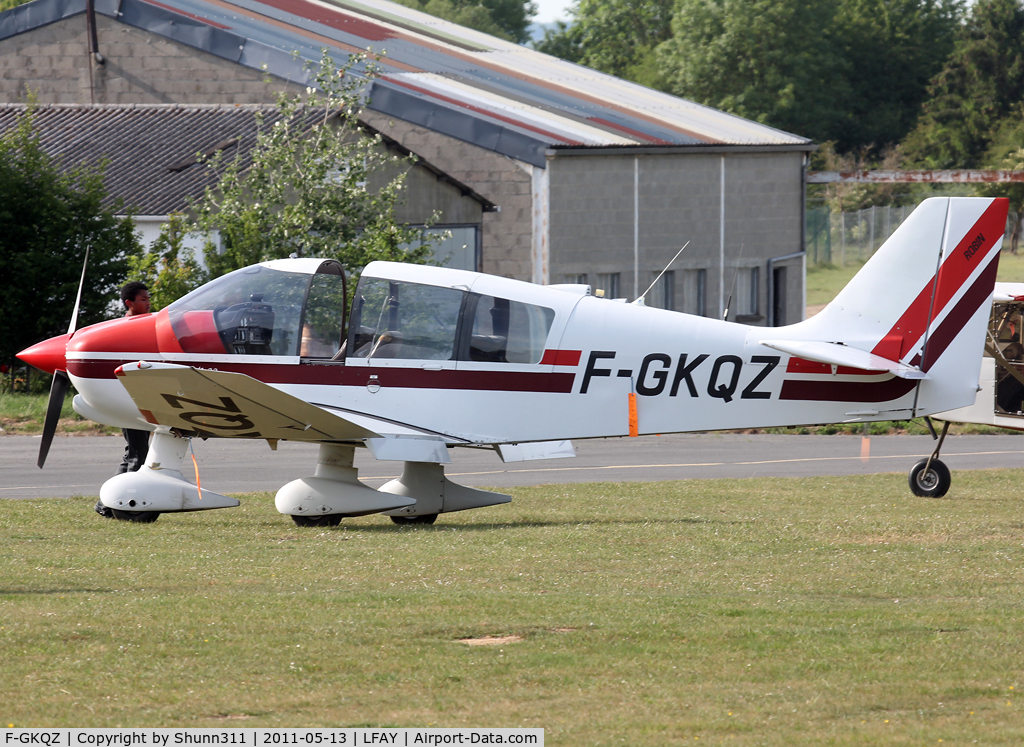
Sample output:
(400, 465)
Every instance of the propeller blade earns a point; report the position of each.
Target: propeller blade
(78, 299)
(58, 390)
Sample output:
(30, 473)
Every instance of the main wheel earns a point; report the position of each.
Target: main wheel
(932, 483)
(323, 520)
(422, 519)
(139, 517)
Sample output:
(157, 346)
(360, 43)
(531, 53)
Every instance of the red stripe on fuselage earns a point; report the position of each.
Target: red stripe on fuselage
(846, 391)
(561, 358)
(339, 375)
(801, 365)
(880, 391)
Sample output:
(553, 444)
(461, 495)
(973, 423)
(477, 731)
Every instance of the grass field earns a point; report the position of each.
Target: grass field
(839, 611)
(24, 414)
(825, 281)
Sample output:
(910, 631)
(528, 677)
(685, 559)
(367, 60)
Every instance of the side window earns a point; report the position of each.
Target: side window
(507, 331)
(325, 317)
(404, 320)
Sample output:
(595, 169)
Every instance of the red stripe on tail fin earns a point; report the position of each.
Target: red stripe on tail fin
(956, 268)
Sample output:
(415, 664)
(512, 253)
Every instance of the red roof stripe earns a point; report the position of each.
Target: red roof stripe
(334, 18)
(480, 110)
(629, 131)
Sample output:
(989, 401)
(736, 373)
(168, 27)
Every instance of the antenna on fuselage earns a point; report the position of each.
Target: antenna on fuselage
(725, 316)
(641, 297)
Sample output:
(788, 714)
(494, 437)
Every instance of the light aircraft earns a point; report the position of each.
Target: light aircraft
(433, 358)
(1000, 397)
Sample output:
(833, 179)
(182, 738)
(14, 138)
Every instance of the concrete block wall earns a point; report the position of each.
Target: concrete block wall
(507, 234)
(593, 219)
(140, 68)
(590, 219)
(145, 68)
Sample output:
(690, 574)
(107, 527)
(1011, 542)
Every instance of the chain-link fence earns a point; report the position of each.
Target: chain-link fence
(841, 238)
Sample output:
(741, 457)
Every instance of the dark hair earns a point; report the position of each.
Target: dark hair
(130, 290)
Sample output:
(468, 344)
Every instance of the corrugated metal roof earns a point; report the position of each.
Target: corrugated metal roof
(141, 144)
(149, 150)
(454, 80)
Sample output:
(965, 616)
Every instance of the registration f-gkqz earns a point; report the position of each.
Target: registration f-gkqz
(432, 359)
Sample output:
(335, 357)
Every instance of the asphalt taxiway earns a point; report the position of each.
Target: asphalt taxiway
(77, 466)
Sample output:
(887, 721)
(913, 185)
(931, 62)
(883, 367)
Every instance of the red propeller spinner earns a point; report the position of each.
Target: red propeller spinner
(48, 355)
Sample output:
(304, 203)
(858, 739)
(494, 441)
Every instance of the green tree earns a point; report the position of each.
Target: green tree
(50, 214)
(169, 269)
(507, 19)
(853, 72)
(314, 185)
(978, 88)
(892, 49)
(614, 36)
(1006, 151)
(773, 61)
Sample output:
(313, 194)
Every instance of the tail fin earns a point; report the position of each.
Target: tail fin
(920, 305)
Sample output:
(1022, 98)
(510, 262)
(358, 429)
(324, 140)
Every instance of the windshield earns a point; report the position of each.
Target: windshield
(252, 311)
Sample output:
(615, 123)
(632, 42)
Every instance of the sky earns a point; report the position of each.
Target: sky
(549, 11)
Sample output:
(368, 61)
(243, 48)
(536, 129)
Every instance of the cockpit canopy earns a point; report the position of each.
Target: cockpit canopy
(405, 320)
(260, 310)
(267, 310)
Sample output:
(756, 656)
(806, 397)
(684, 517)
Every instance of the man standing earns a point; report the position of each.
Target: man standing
(135, 297)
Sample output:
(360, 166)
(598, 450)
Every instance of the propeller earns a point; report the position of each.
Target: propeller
(58, 390)
(61, 382)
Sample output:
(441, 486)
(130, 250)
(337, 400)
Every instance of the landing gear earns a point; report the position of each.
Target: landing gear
(930, 477)
(139, 517)
(323, 520)
(421, 519)
(929, 480)
(158, 487)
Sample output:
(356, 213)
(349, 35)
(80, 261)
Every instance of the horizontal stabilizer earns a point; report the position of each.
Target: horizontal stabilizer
(231, 405)
(843, 355)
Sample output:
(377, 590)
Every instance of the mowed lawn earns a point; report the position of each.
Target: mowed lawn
(839, 611)
(824, 282)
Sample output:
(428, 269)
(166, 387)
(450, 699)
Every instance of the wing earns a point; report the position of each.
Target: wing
(219, 403)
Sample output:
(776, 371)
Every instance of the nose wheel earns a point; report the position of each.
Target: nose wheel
(324, 520)
(139, 517)
(930, 477)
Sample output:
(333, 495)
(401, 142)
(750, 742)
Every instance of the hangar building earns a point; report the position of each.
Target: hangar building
(595, 179)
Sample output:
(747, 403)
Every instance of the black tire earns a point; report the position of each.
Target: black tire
(139, 517)
(422, 519)
(931, 484)
(323, 520)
